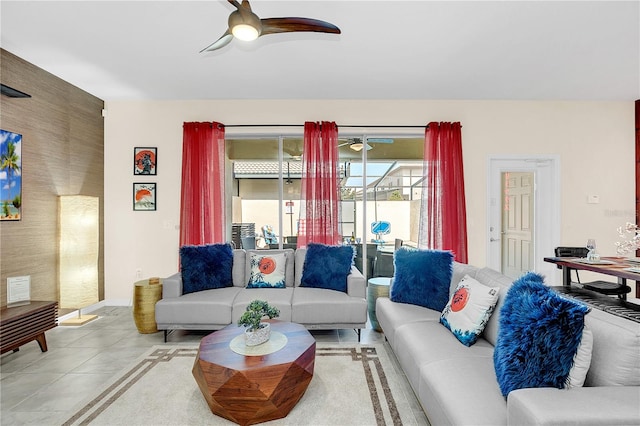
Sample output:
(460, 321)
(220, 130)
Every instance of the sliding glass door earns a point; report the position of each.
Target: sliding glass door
(379, 200)
(377, 186)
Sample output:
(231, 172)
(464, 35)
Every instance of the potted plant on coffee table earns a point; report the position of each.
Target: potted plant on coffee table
(257, 332)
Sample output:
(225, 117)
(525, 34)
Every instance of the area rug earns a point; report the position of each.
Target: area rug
(352, 385)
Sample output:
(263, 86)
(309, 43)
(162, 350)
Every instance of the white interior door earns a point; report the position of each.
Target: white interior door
(517, 235)
(543, 217)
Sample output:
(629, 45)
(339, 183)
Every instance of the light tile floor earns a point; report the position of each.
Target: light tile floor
(38, 388)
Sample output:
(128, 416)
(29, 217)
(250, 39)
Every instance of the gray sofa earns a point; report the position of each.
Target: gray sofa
(312, 307)
(457, 385)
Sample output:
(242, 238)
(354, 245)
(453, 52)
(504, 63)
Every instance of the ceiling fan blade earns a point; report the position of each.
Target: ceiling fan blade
(380, 140)
(221, 42)
(287, 25)
(237, 5)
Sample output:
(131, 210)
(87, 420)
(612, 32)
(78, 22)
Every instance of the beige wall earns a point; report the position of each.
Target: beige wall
(62, 154)
(594, 141)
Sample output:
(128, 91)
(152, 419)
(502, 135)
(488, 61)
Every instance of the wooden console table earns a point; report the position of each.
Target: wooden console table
(22, 324)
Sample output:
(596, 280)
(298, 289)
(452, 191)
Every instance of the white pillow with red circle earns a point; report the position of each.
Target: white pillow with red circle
(469, 309)
(267, 271)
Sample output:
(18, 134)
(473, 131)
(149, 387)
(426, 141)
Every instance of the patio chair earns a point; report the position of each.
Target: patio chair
(269, 236)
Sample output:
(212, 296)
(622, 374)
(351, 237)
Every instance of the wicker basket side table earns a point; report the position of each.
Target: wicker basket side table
(145, 295)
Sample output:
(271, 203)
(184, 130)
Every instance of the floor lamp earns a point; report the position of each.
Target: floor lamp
(78, 254)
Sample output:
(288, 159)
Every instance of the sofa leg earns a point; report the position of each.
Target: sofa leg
(358, 331)
(166, 333)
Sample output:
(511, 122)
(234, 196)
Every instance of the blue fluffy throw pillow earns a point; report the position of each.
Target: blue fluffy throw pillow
(422, 277)
(206, 267)
(539, 334)
(327, 267)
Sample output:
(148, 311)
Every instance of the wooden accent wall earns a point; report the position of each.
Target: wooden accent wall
(62, 154)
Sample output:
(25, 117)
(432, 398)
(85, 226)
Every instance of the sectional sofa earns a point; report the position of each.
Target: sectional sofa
(315, 308)
(457, 385)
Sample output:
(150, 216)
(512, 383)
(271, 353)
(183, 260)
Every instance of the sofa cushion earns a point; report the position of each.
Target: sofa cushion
(459, 271)
(539, 335)
(599, 405)
(206, 267)
(615, 360)
(313, 306)
(391, 315)
(422, 277)
(469, 310)
(327, 267)
(267, 271)
(208, 308)
(462, 391)
(238, 271)
(493, 278)
(420, 343)
(277, 297)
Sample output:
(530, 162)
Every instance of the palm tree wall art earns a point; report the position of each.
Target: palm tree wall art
(10, 175)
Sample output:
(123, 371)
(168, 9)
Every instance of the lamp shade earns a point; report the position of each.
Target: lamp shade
(79, 234)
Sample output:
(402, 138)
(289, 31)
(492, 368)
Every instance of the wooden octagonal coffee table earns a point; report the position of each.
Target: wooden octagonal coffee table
(248, 389)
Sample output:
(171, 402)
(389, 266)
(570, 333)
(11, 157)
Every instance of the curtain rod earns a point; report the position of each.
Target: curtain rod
(422, 126)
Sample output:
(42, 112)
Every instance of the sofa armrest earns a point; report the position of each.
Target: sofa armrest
(601, 405)
(355, 284)
(172, 286)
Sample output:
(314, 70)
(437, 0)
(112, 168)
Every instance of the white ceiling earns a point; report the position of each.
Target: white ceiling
(567, 50)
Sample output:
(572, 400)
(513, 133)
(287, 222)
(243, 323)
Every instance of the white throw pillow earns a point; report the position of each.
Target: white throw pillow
(581, 361)
(469, 309)
(267, 271)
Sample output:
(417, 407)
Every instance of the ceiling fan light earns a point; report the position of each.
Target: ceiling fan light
(245, 32)
(356, 146)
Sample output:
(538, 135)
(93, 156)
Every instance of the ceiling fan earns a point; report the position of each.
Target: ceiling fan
(356, 144)
(246, 25)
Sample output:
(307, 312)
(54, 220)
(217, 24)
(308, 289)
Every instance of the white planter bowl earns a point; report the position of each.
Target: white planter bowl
(259, 336)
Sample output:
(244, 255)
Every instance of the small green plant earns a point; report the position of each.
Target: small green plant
(256, 311)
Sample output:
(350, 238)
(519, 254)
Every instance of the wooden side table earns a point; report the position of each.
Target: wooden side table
(22, 324)
(145, 296)
(376, 287)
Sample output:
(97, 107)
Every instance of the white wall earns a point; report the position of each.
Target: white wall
(595, 142)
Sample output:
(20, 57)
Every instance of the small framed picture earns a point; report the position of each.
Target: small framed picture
(145, 161)
(144, 196)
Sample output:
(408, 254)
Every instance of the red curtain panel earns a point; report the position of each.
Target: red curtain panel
(202, 208)
(443, 223)
(320, 194)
